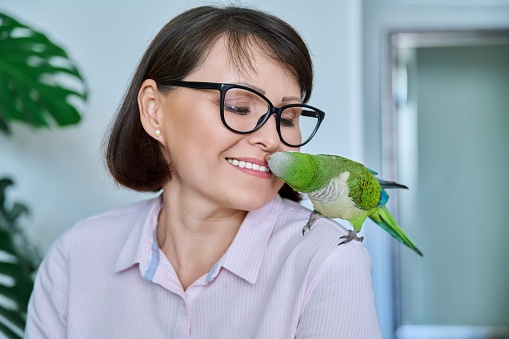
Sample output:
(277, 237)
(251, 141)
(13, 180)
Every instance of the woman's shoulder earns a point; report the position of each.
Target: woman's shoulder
(322, 240)
(131, 211)
(112, 227)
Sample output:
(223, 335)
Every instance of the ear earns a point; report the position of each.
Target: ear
(149, 105)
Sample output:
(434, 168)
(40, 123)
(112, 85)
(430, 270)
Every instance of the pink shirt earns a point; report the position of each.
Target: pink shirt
(107, 278)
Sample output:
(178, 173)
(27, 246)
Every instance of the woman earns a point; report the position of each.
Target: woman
(220, 253)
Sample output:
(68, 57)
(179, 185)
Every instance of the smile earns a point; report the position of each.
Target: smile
(248, 165)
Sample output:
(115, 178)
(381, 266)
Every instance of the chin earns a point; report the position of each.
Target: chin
(252, 202)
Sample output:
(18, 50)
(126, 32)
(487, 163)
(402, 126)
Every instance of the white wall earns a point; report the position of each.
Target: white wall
(60, 173)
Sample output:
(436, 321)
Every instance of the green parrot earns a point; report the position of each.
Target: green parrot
(339, 188)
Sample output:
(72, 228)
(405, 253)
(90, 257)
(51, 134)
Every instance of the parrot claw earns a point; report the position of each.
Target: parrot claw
(352, 235)
(312, 218)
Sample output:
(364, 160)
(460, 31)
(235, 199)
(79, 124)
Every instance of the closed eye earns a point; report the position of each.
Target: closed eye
(287, 122)
(239, 110)
(290, 117)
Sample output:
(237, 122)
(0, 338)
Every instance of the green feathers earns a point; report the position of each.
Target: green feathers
(339, 188)
(308, 173)
(303, 172)
(383, 218)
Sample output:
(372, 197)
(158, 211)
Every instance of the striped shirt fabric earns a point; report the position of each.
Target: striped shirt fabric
(107, 278)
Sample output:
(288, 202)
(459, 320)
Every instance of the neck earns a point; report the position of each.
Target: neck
(194, 233)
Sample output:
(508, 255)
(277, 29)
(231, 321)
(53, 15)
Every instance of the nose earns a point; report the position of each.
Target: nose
(267, 136)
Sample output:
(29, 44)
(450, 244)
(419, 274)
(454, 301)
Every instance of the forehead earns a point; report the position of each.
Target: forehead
(249, 58)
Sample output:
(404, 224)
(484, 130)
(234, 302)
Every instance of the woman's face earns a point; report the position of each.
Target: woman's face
(204, 155)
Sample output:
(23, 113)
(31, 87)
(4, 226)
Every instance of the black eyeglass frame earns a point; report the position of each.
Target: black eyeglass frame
(223, 87)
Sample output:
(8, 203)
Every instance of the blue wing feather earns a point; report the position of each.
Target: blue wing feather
(384, 197)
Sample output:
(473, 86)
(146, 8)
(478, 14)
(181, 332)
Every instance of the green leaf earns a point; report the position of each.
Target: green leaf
(16, 266)
(3, 125)
(6, 242)
(37, 79)
(4, 183)
(8, 216)
(8, 332)
(15, 317)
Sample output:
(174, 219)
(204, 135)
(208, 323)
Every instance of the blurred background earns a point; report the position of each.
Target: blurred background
(416, 90)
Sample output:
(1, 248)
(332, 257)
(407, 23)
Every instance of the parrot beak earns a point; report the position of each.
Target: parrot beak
(278, 162)
(285, 165)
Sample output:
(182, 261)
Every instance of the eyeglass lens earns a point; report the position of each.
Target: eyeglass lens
(244, 110)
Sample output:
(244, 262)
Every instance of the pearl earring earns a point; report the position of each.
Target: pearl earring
(157, 133)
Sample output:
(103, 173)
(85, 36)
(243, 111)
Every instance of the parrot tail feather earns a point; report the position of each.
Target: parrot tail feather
(382, 217)
(390, 184)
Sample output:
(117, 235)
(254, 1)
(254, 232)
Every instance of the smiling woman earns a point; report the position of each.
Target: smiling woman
(219, 254)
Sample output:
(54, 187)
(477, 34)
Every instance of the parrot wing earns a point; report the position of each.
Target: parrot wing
(365, 191)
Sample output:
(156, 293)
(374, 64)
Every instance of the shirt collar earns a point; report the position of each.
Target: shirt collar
(244, 256)
(139, 242)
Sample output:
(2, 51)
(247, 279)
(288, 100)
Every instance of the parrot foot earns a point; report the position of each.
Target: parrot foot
(352, 235)
(312, 218)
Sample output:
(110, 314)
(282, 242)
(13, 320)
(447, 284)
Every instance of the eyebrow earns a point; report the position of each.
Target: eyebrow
(285, 99)
(247, 84)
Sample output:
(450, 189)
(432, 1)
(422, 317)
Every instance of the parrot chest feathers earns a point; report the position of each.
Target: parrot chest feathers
(334, 201)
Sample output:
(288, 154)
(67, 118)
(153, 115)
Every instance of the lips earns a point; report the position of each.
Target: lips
(248, 165)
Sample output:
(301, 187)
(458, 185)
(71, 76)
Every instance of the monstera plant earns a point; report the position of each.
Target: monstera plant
(39, 86)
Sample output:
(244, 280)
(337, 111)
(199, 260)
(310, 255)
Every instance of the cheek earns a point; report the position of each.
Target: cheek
(196, 143)
(193, 119)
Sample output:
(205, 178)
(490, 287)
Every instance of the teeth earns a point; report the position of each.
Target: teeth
(249, 165)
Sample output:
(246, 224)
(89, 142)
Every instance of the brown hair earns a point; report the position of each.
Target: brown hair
(133, 157)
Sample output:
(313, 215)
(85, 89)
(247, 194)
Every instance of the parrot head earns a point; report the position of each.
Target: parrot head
(299, 170)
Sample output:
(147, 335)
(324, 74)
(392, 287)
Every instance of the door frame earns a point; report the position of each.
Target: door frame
(416, 38)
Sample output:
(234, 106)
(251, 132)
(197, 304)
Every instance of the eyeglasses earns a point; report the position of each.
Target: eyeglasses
(245, 110)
